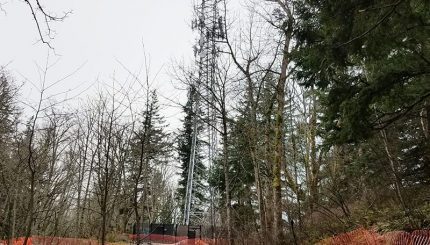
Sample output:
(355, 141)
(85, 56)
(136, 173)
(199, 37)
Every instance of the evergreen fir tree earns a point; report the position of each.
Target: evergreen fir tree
(370, 59)
(150, 147)
(184, 141)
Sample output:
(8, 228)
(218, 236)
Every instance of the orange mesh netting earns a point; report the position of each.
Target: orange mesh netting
(366, 237)
(38, 240)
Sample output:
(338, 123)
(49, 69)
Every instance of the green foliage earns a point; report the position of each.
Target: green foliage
(151, 137)
(371, 58)
(184, 145)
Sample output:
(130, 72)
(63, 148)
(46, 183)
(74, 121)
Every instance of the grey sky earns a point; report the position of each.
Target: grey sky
(98, 33)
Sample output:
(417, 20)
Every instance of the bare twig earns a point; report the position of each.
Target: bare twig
(35, 6)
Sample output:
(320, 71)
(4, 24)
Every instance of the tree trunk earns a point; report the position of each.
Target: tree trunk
(268, 203)
(279, 144)
(13, 218)
(81, 175)
(314, 163)
(87, 191)
(279, 153)
(396, 179)
(106, 181)
(258, 186)
(226, 176)
(425, 120)
(255, 161)
(138, 177)
(9, 206)
(136, 213)
(30, 216)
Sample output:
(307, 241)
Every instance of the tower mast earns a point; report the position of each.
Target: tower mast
(209, 24)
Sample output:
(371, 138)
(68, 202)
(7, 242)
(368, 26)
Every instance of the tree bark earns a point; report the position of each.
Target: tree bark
(253, 152)
(279, 136)
(396, 179)
(279, 152)
(314, 163)
(226, 174)
(30, 216)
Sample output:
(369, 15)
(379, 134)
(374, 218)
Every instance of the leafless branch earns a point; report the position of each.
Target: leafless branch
(35, 6)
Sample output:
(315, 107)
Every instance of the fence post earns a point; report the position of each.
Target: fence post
(164, 227)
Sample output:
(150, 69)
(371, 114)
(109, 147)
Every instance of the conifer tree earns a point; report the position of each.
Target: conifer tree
(371, 60)
(150, 147)
(184, 142)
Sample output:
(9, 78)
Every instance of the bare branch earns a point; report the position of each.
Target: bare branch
(35, 6)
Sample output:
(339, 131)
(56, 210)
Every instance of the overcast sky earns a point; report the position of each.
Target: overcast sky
(98, 34)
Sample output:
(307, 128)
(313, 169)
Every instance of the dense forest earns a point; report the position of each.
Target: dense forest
(303, 119)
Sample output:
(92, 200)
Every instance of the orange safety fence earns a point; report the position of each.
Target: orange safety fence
(39, 240)
(367, 237)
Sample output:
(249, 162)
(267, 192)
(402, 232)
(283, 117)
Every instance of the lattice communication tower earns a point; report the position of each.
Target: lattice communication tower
(209, 23)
